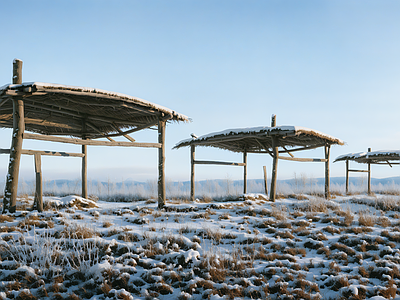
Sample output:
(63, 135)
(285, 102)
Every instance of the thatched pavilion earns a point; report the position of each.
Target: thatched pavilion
(54, 111)
(381, 157)
(272, 140)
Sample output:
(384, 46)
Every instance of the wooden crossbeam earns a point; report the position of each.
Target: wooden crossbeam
(123, 134)
(138, 128)
(359, 171)
(300, 159)
(48, 153)
(287, 151)
(39, 137)
(265, 148)
(210, 162)
(301, 149)
(4, 100)
(97, 130)
(42, 122)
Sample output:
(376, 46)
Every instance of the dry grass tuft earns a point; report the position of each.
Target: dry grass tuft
(366, 219)
(78, 232)
(79, 204)
(313, 205)
(6, 218)
(383, 221)
(107, 224)
(279, 213)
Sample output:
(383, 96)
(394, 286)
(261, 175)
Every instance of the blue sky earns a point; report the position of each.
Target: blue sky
(328, 65)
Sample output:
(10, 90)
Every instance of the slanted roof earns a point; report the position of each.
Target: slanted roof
(371, 157)
(256, 139)
(55, 109)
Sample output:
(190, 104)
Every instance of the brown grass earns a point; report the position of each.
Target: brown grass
(107, 224)
(358, 230)
(6, 218)
(30, 221)
(383, 221)
(366, 219)
(78, 232)
(279, 213)
(83, 205)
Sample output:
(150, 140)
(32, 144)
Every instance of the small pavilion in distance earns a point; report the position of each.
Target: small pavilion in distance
(273, 140)
(380, 157)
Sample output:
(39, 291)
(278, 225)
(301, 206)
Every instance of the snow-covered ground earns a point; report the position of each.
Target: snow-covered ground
(296, 248)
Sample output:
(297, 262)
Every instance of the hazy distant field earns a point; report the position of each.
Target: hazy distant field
(208, 188)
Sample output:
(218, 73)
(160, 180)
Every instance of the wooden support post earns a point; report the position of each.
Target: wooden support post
(347, 176)
(161, 165)
(369, 176)
(327, 181)
(84, 172)
(38, 202)
(274, 163)
(192, 182)
(245, 172)
(84, 161)
(272, 195)
(265, 180)
(11, 189)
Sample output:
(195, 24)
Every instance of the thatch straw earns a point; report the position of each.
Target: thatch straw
(371, 157)
(258, 139)
(54, 109)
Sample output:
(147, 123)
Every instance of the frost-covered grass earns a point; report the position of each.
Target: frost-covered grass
(300, 247)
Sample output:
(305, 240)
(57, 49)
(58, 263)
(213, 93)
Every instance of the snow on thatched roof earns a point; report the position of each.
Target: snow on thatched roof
(260, 138)
(60, 109)
(371, 157)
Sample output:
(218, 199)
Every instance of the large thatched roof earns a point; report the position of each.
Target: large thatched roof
(259, 139)
(55, 109)
(373, 157)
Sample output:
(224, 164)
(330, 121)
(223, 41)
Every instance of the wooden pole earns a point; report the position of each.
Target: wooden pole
(11, 189)
(84, 172)
(17, 71)
(327, 182)
(161, 165)
(347, 176)
(272, 195)
(38, 203)
(274, 163)
(273, 121)
(84, 162)
(265, 180)
(245, 172)
(369, 176)
(192, 182)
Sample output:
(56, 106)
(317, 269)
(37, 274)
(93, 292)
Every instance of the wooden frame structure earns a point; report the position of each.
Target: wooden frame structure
(54, 111)
(272, 140)
(381, 157)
